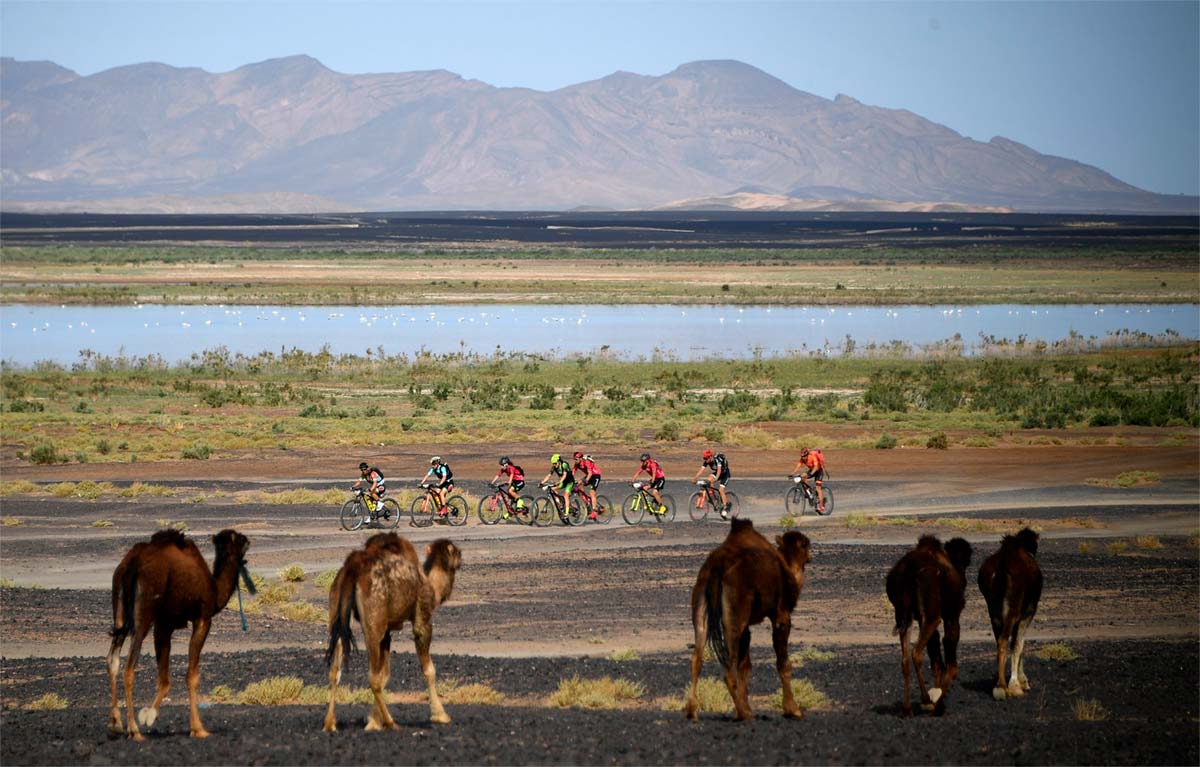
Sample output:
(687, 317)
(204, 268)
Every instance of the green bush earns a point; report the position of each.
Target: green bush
(938, 441)
(26, 406)
(46, 454)
(197, 452)
(886, 442)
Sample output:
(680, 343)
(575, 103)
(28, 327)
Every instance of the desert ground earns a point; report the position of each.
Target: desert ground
(534, 607)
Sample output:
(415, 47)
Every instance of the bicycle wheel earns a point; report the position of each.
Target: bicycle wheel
(735, 506)
(421, 512)
(669, 502)
(458, 511)
(388, 514)
(524, 513)
(353, 515)
(491, 508)
(543, 512)
(793, 501)
(604, 510)
(633, 509)
(698, 506)
(828, 502)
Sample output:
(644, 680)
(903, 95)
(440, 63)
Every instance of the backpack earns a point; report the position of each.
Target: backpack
(374, 470)
(720, 460)
(447, 475)
(820, 457)
(519, 469)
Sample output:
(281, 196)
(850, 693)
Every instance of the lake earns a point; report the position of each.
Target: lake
(31, 333)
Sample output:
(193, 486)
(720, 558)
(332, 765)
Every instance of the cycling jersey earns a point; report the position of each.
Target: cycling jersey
(655, 471)
(442, 474)
(718, 466)
(814, 462)
(563, 470)
(588, 467)
(514, 472)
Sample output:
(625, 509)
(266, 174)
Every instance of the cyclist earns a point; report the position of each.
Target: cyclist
(591, 478)
(516, 481)
(657, 480)
(717, 467)
(373, 478)
(442, 479)
(566, 478)
(814, 462)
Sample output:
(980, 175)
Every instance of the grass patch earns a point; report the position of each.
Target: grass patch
(304, 496)
(274, 691)
(623, 655)
(325, 579)
(51, 701)
(1088, 710)
(18, 486)
(711, 695)
(605, 692)
(464, 694)
(808, 698)
(275, 593)
(1127, 479)
(1056, 651)
(318, 694)
(292, 573)
(102, 523)
(139, 489)
(303, 611)
(1117, 547)
(1147, 542)
(222, 693)
(1085, 547)
(787, 521)
(809, 654)
(13, 521)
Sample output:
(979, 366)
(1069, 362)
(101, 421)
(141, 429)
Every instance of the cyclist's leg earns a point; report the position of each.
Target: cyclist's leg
(817, 480)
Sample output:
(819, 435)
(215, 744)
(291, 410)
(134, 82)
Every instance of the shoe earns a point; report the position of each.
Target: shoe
(506, 515)
(724, 514)
(821, 508)
(592, 515)
(443, 511)
(728, 506)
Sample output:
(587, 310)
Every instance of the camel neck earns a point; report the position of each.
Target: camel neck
(442, 583)
(226, 580)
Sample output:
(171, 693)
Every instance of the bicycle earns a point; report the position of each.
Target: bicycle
(358, 511)
(641, 502)
(550, 504)
(500, 506)
(424, 510)
(708, 499)
(604, 508)
(801, 494)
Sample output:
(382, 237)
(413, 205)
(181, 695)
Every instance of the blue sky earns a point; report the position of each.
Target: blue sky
(1112, 84)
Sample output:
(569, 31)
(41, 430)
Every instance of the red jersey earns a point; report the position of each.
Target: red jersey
(653, 468)
(588, 467)
(514, 473)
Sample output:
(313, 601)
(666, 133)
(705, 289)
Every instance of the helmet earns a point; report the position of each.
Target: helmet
(645, 456)
(803, 452)
(707, 454)
(504, 461)
(362, 466)
(578, 455)
(434, 461)
(555, 458)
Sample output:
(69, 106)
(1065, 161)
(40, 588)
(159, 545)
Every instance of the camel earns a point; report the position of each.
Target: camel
(929, 584)
(383, 585)
(166, 583)
(1011, 582)
(743, 582)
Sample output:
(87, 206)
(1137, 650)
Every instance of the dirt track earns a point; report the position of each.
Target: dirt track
(532, 607)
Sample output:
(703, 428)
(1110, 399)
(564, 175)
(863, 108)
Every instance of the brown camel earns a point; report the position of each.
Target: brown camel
(929, 584)
(744, 581)
(1011, 582)
(383, 585)
(166, 583)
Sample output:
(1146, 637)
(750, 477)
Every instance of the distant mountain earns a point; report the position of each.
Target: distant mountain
(290, 132)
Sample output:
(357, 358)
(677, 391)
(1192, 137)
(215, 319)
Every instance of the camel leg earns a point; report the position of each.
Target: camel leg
(200, 628)
(135, 649)
(380, 718)
(1024, 680)
(114, 667)
(700, 622)
(926, 633)
(950, 669)
(162, 653)
(743, 671)
(779, 637)
(905, 664)
(1007, 636)
(335, 676)
(422, 637)
(1017, 685)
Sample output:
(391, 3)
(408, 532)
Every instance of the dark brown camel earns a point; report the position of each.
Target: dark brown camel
(929, 584)
(383, 585)
(1011, 582)
(743, 582)
(166, 583)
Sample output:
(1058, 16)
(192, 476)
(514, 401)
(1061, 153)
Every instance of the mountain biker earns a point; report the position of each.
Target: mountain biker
(657, 480)
(591, 478)
(814, 462)
(566, 478)
(717, 467)
(442, 480)
(516, 481)
(373, 478)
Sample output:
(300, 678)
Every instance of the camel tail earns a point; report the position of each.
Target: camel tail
(339, 622)
(714, 594)
(124, 599)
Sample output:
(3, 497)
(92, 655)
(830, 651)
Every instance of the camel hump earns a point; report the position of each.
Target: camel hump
(959, 552)
(1026, 539)
(740, 525)
(386, 542)
(168, 538)
(929, 542)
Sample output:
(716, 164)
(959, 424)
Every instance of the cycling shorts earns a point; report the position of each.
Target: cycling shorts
(517, 485)
(594, 482)
(817, 475)
(721, 479)
(659, 483)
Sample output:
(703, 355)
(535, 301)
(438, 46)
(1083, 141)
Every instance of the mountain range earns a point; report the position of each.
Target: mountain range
(290, 135)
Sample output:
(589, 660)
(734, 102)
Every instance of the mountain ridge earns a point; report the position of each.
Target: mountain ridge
(293, 129)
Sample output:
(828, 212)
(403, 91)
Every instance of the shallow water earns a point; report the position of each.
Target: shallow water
(60, 333)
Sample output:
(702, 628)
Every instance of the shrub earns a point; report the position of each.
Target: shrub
(102, 523)
(787, 521)
(13, 521)
(26, 406)
(293, 573)
(605, 692)
(275, 691)
(886, 442)
(46, 454)
(624, 655)
(807, 696)
(1089, 710)
(1147, 542)
(51, 701)
(736, 402)
(198, 452)
(18, 486)
(1085, 548)
(938, 441)
(325, 579)
(809, 654)
(303, 611)
(1117, 547)
(711, 696)
(222, 693)
(1056, 651)
(668, 432)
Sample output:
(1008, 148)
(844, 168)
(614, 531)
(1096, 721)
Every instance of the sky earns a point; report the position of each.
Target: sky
(1111, 84)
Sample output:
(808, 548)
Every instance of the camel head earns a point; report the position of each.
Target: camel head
(442, 560)
(231, 549)
(1026, 539)
(796, 552)
(959, 553)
